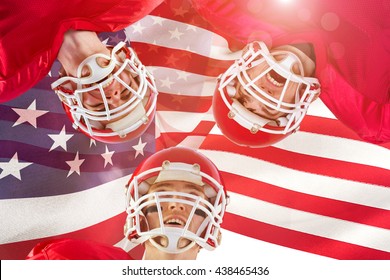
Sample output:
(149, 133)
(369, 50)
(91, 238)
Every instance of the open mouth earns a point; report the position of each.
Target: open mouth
(275, 79)
(174, 222)
(108, 80)
(108, 83)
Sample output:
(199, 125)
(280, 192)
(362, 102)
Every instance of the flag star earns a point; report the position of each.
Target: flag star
(105, 41)
(116, 38)
(172, 59)
(187, 53)
(29, 115)
(175, 34)
(158, 20)
(166, 83)
(13, 167)
(188, 49)
(60, 139)
(128, 34)
(92, 142)
(191, 27)
(107, 156)
(75, 165)
(139, 148)
(177, 98)
(152, 70)
(182, 75)
(153, 47)
(180, 11)
(137, 27)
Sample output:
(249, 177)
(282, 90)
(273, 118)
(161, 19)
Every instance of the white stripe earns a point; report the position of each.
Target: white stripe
(170, 121)
(323, 186)
(195, 85)
(31, 218)
(210, 45)
(301, 142)
(359, 234)
(237, 247)
(337, 148)
(319, 109)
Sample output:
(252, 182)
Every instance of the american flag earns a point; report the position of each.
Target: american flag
(321, 192)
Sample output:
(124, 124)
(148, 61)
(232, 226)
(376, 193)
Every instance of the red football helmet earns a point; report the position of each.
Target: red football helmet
(184, 165)
(246, 128)
(108, 123)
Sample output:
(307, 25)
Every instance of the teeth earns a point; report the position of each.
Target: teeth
(175, 221)
(273, 81)
(107, 84)
(110, 82)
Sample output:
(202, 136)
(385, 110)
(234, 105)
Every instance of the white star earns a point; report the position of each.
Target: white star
(137, 27)
(188, 49)
(191, 27)
(158, 20)
(60, 139)
(75, 165)
(166, 82)
(107, 157)
(175, 34)
(128, 33)
(13, 167)
(29, 115)
(183, 75)
(152, 70)
(105, 41)
(139, 148)
(92, 142)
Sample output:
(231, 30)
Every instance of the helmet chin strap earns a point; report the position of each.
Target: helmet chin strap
(98, 72)
(137, 114)
(239, 110)
(173, 236)
(251, 121)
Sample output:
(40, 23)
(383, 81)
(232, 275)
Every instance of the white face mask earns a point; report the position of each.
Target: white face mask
(258, 54)
(130, 114)
(201, 219)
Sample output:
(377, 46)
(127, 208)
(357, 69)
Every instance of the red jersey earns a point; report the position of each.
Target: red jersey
(72, 249)
(351, 40)
(31, 33)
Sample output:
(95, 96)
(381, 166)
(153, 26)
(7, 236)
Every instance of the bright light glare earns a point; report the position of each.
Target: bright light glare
(286, 1)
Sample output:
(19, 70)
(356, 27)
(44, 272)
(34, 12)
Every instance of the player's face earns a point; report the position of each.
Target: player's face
(272, 84)
(175, 214)
(115, 92)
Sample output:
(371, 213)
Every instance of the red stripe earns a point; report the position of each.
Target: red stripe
(309, 203)
(173, 139)
(174, 102)
(172, 10)
(306, 163)
(137, 252)
(331, 127)
(153, 55)
(301, 241)
(108, 232)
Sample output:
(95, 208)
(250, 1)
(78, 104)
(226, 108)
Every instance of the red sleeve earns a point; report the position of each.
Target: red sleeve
(71, 249)
(351, 42)
(368, 118)
(31, 33)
